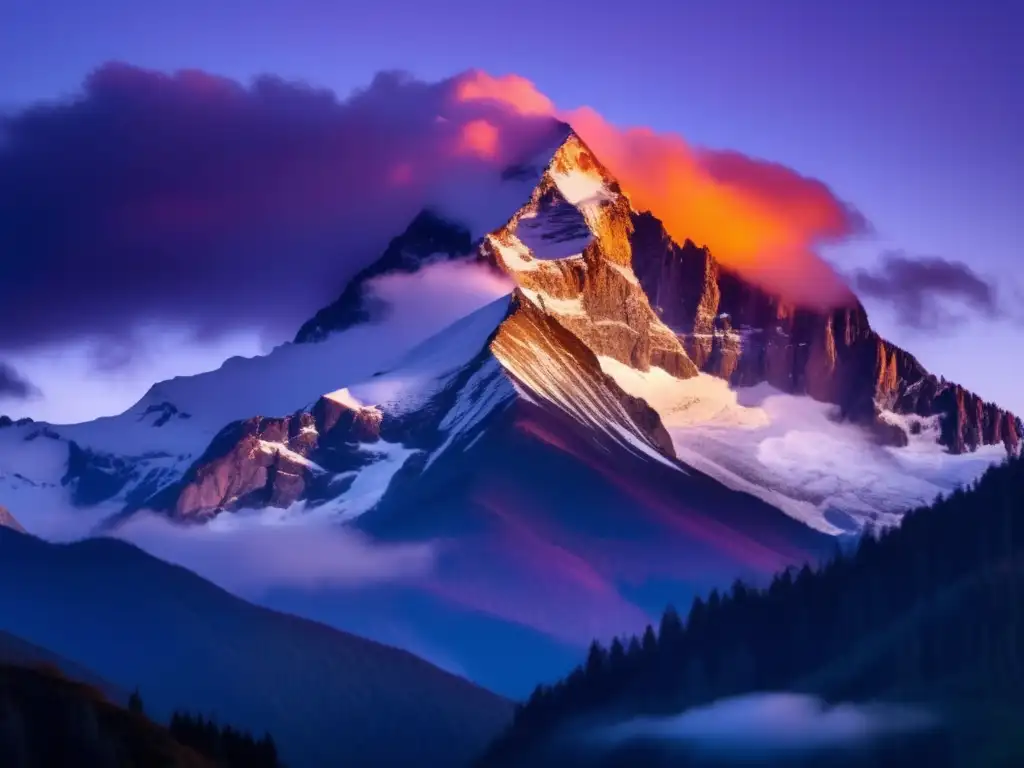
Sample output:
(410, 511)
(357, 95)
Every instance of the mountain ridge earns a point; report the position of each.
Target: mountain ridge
(326, 695)
(576, 251)
(844, 362)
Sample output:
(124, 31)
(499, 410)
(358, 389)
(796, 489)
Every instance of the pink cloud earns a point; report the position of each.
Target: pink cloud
(760, 218)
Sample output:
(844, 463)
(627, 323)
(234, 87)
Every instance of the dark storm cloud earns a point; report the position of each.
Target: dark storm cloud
(192, 199)
(919, 289)
(15, 386)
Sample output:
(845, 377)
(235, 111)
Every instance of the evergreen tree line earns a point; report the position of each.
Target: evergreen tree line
(228, 746)
(935, 599)
(48, 720)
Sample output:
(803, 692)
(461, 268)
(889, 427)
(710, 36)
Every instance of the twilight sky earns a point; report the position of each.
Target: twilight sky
(910, 111)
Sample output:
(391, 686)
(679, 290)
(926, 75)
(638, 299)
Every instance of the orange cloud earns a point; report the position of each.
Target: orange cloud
(762, 219)
(513, 90)
(480, 138)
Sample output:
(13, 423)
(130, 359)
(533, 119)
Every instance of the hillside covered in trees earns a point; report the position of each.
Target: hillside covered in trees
(47, 719)
(929, 612)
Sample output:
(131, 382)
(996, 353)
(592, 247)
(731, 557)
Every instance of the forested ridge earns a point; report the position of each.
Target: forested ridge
(926, 611)
(48, 720)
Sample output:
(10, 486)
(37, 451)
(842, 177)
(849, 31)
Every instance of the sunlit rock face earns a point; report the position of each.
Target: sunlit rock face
(276, 461)
(569, 250)
(735, 330)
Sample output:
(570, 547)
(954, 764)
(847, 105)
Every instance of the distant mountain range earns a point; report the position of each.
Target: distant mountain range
(326, 696)
(631, 423)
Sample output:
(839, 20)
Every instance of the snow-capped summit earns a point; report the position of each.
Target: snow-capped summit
(613, 336)
(616, 414)
(568, 251)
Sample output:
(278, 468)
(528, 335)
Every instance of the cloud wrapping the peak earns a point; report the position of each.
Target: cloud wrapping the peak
(760, 218)
(919, 288)
(191, 200)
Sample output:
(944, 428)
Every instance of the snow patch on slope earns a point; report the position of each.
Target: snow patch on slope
(791, 452)
(293, 376)
(486, 390)
(425, 371)
(581, 189)
(32, 464)
(344, 397)
(700, 400)
(369, 484)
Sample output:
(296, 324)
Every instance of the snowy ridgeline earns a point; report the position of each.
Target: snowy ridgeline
(790, 451)
(784, 449)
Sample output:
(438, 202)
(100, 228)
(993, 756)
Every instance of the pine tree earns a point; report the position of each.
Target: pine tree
(634, 650)
(135, 703)
(670, 631)
(616, 656)
(649, 643)
(597, 659)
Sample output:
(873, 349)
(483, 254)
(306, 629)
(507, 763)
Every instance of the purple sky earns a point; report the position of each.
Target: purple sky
(910, 110)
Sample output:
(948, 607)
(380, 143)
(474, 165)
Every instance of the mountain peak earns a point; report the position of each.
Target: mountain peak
(612, 276)
(568, 250)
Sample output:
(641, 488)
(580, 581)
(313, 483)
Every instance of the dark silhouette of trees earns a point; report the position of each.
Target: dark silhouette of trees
(47, 719)
(932, 604)
(228, 746)
(135, 703)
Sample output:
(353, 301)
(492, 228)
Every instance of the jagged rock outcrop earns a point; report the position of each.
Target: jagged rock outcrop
(736, 331)
(274, 461)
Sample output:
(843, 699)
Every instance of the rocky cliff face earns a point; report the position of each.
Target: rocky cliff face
(275, 461)
(570, 252)
(738, 332)
(552, 364)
